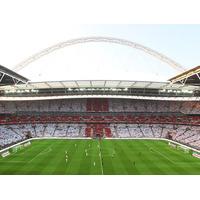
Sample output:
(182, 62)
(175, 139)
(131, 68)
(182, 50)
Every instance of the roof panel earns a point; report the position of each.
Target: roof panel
(69, 84)
(141, 84)
(84, 83)
(42, 85)
(111, 83)
(125, 83)
(98, 83)
(56, 84)
(155, 85)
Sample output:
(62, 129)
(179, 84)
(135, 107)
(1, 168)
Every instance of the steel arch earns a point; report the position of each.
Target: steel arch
(131, 44)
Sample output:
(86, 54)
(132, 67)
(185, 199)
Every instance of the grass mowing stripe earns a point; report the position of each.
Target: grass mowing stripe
(18, 167)
(171, 168)
(141, 163)
(40, 153)
(106, 156)
(100, 157)
(38, 163)
(184, 166)
(69, 152)
(75, 161)
(94, 158)
(131, 156)
(125, 160)
(158, 152)
(85, 162)
(56, 164)
(59, 161)
(150, 161)
(164, 162)
(49, 157)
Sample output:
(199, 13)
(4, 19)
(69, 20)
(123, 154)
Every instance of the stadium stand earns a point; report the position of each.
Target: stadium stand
(101, 105)
(96, 118)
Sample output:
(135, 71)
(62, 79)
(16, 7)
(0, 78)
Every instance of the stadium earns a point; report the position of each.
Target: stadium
(100, 127)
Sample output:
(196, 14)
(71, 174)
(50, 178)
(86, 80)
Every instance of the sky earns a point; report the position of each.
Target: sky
(24, 35)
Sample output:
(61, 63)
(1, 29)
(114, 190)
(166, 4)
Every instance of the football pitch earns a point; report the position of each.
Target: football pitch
(99, 157)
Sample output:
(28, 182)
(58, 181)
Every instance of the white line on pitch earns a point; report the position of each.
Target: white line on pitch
(163, 155)
(39, 153)
(159, 153)
(100, 157)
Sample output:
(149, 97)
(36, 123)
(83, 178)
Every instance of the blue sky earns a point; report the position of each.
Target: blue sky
(100, 60)
(180, 42)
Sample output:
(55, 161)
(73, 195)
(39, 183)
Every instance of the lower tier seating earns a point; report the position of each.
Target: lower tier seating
(98, 130)
(185, 134)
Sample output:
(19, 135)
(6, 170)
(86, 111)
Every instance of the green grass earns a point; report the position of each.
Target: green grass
(104, 157)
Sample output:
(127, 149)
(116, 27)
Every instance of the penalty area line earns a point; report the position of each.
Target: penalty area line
(164, 156)
(41, 152)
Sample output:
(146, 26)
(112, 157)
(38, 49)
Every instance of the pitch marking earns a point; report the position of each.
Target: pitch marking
(40, 153)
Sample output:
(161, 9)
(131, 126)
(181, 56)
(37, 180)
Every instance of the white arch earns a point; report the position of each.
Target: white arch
(131, 44)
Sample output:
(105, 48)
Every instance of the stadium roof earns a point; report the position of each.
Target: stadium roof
(9, 77)
(191, 77)
(99, 84)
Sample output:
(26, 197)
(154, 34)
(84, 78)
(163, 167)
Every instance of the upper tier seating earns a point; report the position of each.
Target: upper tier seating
(101, 105)
(128, 105)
